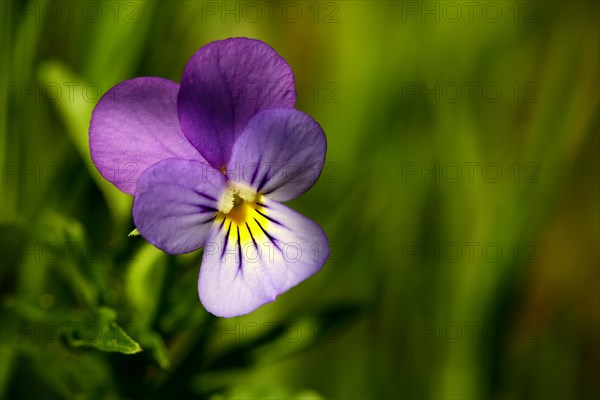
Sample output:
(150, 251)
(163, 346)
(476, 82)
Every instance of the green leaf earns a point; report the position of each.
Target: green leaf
(104, 334)
(101, 331)
(110, 338)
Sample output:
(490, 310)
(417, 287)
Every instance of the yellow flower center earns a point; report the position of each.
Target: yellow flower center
(243, 215)
(240, 211)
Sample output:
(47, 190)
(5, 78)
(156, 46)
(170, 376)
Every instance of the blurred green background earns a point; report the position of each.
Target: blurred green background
(460, 196)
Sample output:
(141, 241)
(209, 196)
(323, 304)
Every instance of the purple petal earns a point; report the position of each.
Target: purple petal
(280, 154)
(249, 262)
(135, 125)
(176, 202)
(223, 85)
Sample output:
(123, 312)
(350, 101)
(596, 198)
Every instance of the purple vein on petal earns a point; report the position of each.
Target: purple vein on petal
(263, 182)
(208, 220)
(270, 218)
(226, 241)
(206, 196)
(271, 238)
(204, 209)
(239, 246)
(252, 236)
(255, 174)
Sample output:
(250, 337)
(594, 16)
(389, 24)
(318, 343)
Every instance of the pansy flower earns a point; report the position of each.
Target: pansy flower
(210, 161)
